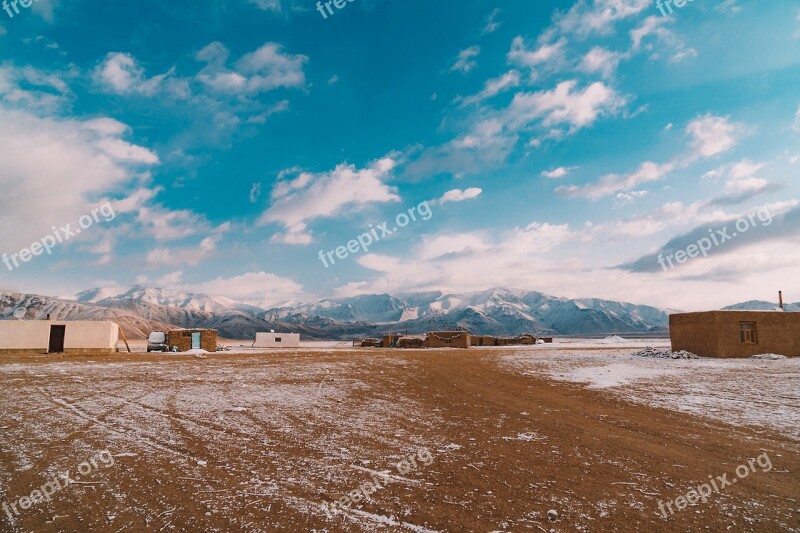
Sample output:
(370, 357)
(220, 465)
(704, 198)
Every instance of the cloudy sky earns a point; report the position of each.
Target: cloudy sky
(561, 146)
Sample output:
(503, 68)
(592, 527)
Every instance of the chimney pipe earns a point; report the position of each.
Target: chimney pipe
(780, 299)
(48, 316)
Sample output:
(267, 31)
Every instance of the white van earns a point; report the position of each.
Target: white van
(157, 342)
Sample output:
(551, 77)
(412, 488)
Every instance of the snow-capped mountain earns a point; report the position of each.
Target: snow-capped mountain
(761, 305)
(492, 312)
(168, 297)
(138, 316)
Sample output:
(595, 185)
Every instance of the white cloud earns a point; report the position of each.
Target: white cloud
(599, 16)
(255, 192)
(565, 105)
(653, 25)
(487, 143)
(120, 73)
(127, 152)
(34, 90)
(268, 5)
(54, 170)
(308, 196)
(743, 180)
(468, 261)
(457, 195)
(261, 118)
(464, 63)
(550, 54)
(188, 255)
(612, 183)
(602, 61)
(255, 288)
(493, 87)
(45, 9)
(729, 5)
(557, 173)
(709, 136)
(745, 169)
(666, 40)
(262, 70)
(165, 225)
(492, 137)
(624, 198)
(491, 22)
(297, 234)
(713, 135)
(796, 125)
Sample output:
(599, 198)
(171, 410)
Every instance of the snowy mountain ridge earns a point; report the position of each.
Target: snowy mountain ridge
(496, 311)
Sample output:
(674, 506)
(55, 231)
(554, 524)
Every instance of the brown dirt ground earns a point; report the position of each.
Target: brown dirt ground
(601, 462)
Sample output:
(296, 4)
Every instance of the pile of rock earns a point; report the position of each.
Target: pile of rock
(769, 356)
(665, 353)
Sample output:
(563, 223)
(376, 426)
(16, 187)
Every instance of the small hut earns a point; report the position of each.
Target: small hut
(370, 342)
(58, 336)
(390, 341)
(193, 339)
(483, 340)
(277, 340)
(447, 339)
(736, 333)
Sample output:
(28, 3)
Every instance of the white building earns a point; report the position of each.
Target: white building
(58, 336)
(277, 340)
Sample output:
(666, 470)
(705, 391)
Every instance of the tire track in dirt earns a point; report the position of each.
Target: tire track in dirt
(120, 429)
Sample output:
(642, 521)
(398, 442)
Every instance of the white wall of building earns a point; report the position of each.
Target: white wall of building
(277, 340)
(78, 335)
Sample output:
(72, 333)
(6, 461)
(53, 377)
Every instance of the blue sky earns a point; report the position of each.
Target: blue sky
(561, 146)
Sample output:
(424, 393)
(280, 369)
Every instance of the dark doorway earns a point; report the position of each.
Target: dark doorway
(57, 339)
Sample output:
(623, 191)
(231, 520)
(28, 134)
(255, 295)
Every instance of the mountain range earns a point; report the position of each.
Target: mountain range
(491, 312)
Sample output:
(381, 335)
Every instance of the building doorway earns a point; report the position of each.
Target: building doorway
(195, 340)
(57, 334)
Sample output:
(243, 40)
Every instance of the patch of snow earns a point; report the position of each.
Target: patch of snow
(613, 375)
(613, 339)
(769, 356)
(742, 391)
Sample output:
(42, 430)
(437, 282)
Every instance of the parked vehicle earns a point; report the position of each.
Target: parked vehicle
(157, 342)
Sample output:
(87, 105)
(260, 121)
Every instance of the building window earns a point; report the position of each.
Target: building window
(277, 339)
(747, 332)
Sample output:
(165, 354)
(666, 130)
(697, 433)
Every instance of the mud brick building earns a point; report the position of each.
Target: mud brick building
(736, 333)
(483, 340)
(193, 339)
(448, 339)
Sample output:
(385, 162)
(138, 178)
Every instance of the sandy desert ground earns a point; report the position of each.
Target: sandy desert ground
(492, 440)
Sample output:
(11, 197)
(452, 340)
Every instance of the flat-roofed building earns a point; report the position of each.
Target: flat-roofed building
(736, 333)
(277, 340)
(58, 336)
